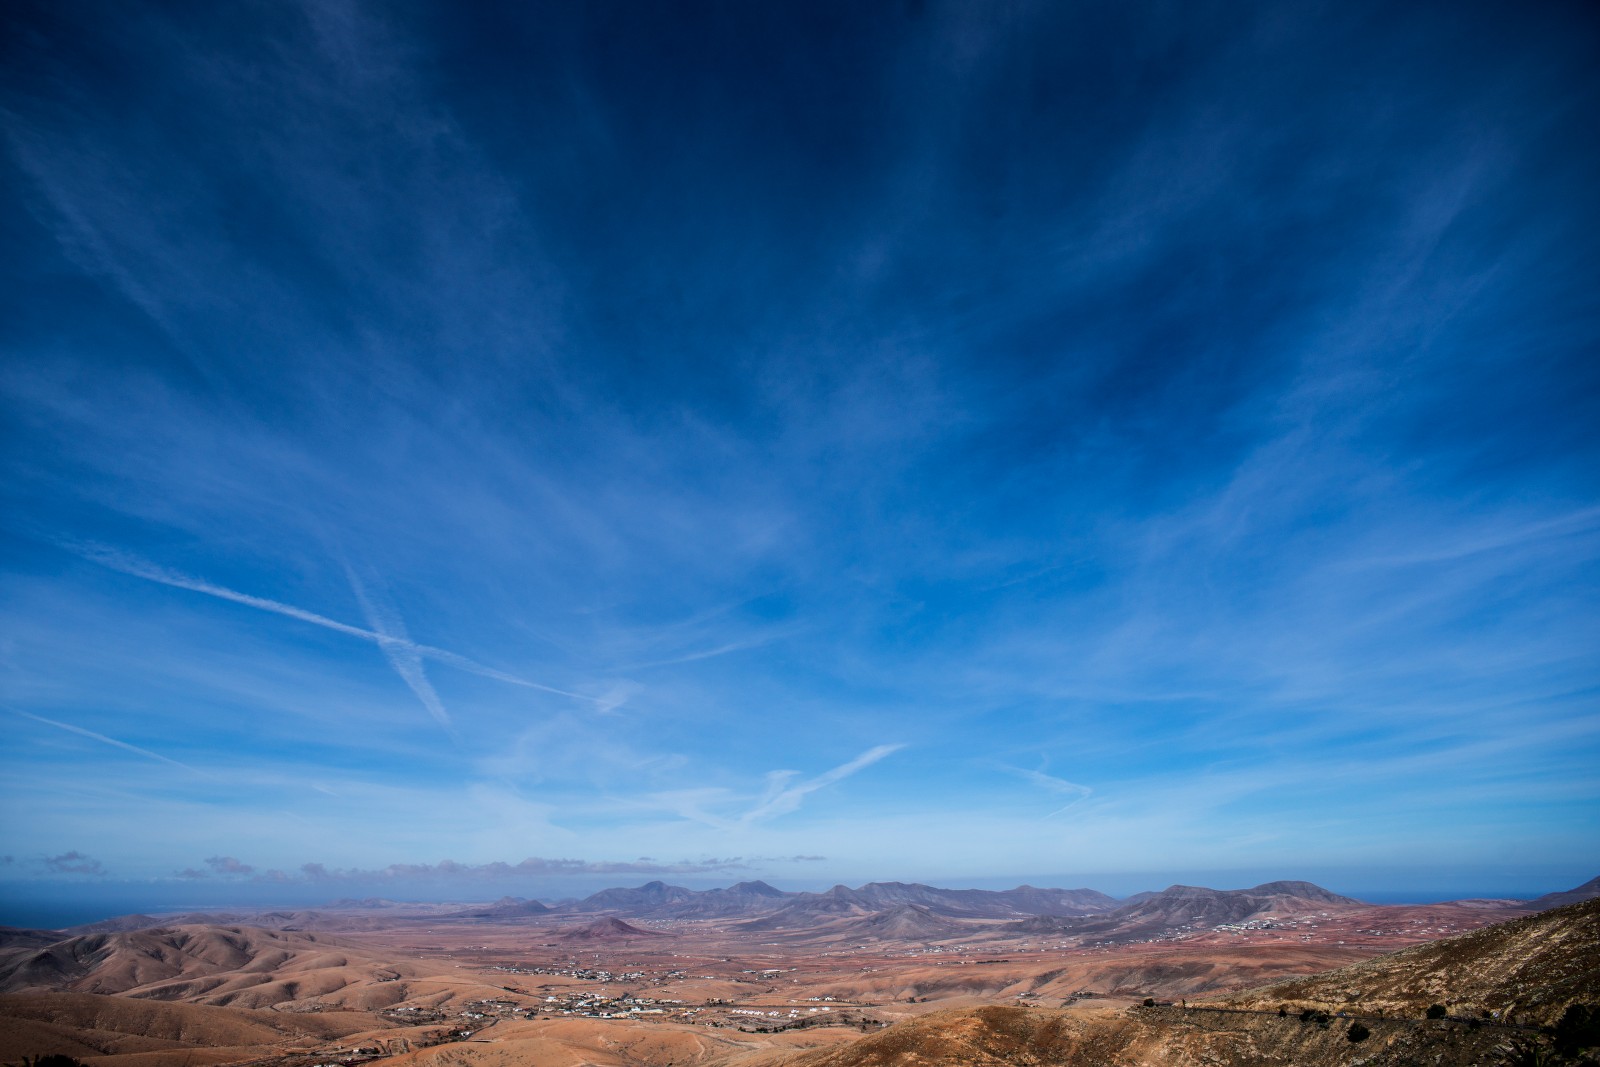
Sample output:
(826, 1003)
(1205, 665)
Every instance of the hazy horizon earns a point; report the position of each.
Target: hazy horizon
(817, 442)
(78, 904)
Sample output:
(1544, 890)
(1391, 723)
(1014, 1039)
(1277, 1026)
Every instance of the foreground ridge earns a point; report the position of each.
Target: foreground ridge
(1520, 992)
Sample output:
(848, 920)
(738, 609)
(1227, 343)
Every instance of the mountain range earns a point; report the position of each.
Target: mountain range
(657, 900)
(1085, 912)
(1182, 907)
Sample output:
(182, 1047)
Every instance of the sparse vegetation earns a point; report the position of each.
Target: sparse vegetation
(1357, 1033)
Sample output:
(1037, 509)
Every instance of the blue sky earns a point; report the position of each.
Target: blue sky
(970, 443)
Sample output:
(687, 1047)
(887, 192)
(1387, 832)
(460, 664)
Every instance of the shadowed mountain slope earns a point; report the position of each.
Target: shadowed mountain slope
(908, 922)
(120, 923)
(1587, 891)
(510, 908)
(20, 937)
(810, 911)
(745, 898)
(635, 901)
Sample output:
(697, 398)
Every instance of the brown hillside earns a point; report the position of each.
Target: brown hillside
(1170, 1037)
(82, 1025)
(608, 929)
(1531, 967)
(231, 965)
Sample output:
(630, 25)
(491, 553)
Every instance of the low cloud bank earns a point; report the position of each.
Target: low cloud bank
(449, 870)
(74, 862)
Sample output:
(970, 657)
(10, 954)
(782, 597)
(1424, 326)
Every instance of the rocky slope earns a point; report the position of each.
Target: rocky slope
(1529, 969)
(1533, 969)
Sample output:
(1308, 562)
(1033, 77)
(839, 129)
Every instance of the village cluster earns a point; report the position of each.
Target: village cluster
(478, 1014)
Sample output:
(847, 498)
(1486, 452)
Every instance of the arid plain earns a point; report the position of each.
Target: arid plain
(662, 975)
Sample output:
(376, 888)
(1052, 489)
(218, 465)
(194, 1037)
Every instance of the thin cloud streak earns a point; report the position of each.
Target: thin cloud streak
(1582, 521)
(131, 565)
(712, 653)
(399, 651)
(103, 739)
(782, 798)
(1079, 793)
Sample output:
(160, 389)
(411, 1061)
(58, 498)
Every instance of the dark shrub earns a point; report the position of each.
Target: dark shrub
(1357, 1032)
(1437, 1011)
(1579, 1028)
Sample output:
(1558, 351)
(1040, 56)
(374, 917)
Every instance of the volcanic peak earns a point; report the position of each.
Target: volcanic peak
(609, 928)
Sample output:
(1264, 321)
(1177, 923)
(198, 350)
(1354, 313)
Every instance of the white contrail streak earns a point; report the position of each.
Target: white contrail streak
(138, 568)
(103, 739)
(399, 651)
(1078, 793)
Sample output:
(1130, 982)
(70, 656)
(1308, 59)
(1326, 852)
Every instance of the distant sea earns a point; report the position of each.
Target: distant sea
(1435, 896)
